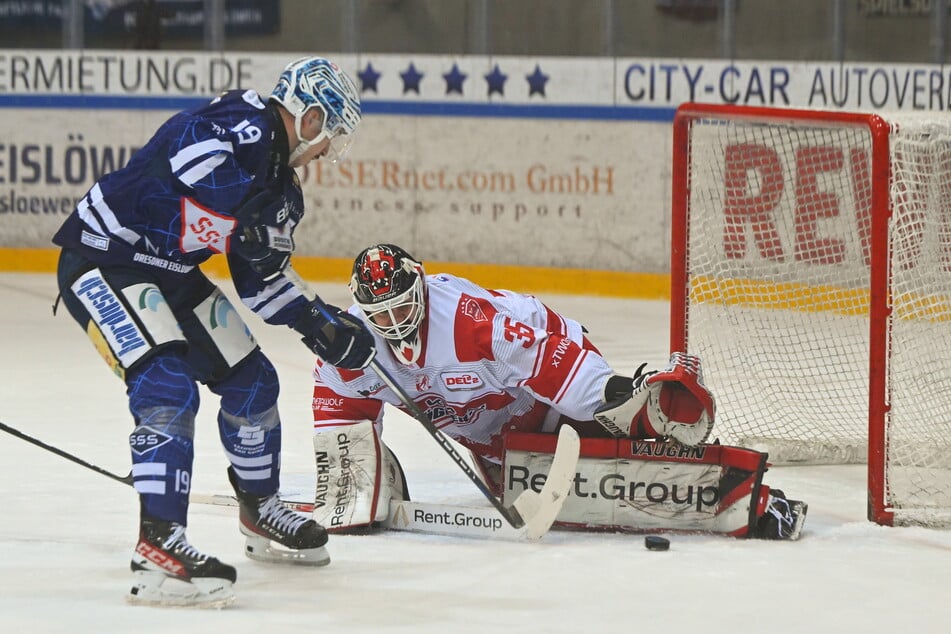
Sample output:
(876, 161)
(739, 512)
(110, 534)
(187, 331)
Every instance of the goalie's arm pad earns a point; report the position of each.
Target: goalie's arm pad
(672, 403)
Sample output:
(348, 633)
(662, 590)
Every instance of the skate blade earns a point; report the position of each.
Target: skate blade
(160, 590)
(263, 549)
(799, 510)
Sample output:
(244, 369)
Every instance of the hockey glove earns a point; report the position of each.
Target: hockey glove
(264, 235)
(344, 342)
(673, 403)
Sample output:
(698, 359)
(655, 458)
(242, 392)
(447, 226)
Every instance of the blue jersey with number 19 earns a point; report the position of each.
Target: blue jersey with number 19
(172, 206)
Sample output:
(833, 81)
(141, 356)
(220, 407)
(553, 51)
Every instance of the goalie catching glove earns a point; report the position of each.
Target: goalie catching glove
(672, 403)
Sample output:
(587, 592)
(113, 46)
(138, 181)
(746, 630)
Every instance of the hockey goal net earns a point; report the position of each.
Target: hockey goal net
(811, 272)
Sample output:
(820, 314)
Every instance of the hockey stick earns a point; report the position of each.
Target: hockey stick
(429, 518)
(65, 454)
(512, 514)
(419, 517)
(532, 512)
(531, 509)
(217, 500)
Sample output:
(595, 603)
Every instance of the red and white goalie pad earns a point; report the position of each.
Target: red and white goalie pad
(672, 403)
(644, 485)
(357, 476)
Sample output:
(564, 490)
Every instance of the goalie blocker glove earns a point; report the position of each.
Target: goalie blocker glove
(672, 403)
(342, 341)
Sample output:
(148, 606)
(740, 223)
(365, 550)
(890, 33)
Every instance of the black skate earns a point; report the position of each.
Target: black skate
(267, 520)
(783, 518)
(169, 571)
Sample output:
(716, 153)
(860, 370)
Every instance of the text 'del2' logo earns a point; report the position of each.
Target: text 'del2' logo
(461, 380)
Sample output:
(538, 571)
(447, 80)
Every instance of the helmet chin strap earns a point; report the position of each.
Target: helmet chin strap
(304, 145)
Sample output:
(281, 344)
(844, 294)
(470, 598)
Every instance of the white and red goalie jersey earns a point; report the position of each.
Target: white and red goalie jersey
(491, 362)
(495, 367)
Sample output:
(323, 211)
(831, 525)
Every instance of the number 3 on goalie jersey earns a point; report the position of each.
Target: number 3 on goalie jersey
(518, 330)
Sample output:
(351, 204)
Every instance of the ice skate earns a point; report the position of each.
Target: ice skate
(277, 534)
(168, 571)
(783, 518)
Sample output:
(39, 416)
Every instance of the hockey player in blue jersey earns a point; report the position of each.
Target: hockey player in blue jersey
(216, 179)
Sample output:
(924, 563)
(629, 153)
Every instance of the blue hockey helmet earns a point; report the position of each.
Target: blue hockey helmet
(315, 82)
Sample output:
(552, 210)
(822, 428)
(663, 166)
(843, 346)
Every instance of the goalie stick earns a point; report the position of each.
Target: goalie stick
(454, 520)
(531, 509)
(418, 517)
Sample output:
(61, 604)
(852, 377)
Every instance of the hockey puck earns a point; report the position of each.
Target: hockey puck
(655, 542)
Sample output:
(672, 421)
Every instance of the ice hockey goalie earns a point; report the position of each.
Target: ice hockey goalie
(500, 372)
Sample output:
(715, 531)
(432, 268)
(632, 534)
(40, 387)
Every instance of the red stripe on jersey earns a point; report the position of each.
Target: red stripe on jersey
(591, 347)
(330, 406)
(530, 421)
(555, 322)
(537, 364)
(349, 375)
(558, 366)
(571, 377)
(472, 329)
(346, 375)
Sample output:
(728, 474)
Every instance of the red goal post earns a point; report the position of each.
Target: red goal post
(811, 271)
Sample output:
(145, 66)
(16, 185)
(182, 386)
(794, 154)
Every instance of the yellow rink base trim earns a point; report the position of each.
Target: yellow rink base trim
(792, 296)
(526, 279)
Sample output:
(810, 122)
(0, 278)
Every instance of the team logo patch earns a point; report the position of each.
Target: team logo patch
(202, 228)
(470, 307)
(458, 381)
(146, 439)
(221, 309)
(151, 298)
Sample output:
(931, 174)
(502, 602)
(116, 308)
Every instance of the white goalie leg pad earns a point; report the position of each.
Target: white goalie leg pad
(642, 485)
(158, 589)
(357, 475)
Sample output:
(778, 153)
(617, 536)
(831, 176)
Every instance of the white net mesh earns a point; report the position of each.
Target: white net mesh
(918, 432)
(778, 259)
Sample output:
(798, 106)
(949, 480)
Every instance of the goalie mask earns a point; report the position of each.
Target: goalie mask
(389, 287)
(314, 82)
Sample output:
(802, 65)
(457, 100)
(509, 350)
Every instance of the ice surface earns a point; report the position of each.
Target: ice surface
(66, 533)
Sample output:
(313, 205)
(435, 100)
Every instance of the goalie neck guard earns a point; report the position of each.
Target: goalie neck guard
(388, 285)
